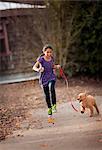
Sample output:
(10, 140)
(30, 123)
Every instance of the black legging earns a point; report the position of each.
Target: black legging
(50, 95)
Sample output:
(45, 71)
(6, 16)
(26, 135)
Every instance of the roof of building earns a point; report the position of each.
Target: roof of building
(20, 12)
(33, 2)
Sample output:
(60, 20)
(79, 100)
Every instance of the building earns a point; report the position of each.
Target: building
(20, 42)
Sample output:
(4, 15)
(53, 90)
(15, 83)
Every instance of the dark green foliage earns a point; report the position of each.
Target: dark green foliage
(79, 48)
(89, 45)
(85, 54)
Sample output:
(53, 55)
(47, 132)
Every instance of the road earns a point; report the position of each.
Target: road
(71, 131)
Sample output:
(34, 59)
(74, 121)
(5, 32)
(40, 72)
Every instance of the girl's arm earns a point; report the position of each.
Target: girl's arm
(56, 66)
(38, 67)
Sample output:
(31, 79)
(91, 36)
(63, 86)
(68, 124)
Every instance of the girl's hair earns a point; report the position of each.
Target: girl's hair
(46, 47)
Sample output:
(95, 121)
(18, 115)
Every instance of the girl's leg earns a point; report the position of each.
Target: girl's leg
(47, 97)
(52, 92)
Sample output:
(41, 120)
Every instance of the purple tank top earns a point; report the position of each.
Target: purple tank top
(48, 74)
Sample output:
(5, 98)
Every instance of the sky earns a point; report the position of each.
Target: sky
(7, 5)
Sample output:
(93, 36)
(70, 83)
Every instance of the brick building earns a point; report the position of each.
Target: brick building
(20, 41)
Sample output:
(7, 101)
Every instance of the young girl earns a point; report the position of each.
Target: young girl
(45, 66)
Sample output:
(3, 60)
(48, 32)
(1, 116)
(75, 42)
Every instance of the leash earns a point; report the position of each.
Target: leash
(62, 74)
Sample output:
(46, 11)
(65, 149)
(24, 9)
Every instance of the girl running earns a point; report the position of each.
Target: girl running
(45, 66)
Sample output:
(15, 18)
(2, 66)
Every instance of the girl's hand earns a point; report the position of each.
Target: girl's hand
(58, 66)
(41, 69)
(38, 67)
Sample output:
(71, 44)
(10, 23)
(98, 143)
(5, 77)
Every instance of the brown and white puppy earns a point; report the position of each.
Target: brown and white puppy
(87, 101)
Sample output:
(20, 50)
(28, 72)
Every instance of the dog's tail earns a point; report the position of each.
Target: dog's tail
(95, 105)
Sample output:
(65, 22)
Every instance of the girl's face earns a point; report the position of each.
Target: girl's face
(48, 52)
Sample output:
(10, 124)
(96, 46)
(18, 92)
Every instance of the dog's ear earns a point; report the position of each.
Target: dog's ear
(83, 96)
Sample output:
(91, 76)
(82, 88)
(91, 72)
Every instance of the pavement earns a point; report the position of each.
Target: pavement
(71, 131)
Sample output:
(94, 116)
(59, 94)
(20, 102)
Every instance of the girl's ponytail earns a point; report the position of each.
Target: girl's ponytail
(42, 54)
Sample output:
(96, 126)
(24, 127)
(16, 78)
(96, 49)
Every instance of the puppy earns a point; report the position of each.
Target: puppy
(87, 101)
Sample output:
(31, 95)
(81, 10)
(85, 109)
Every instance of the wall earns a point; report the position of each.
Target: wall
(25, 42)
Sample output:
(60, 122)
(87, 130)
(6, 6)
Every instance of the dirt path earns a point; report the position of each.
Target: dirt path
(18, 100)
(71, 131)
